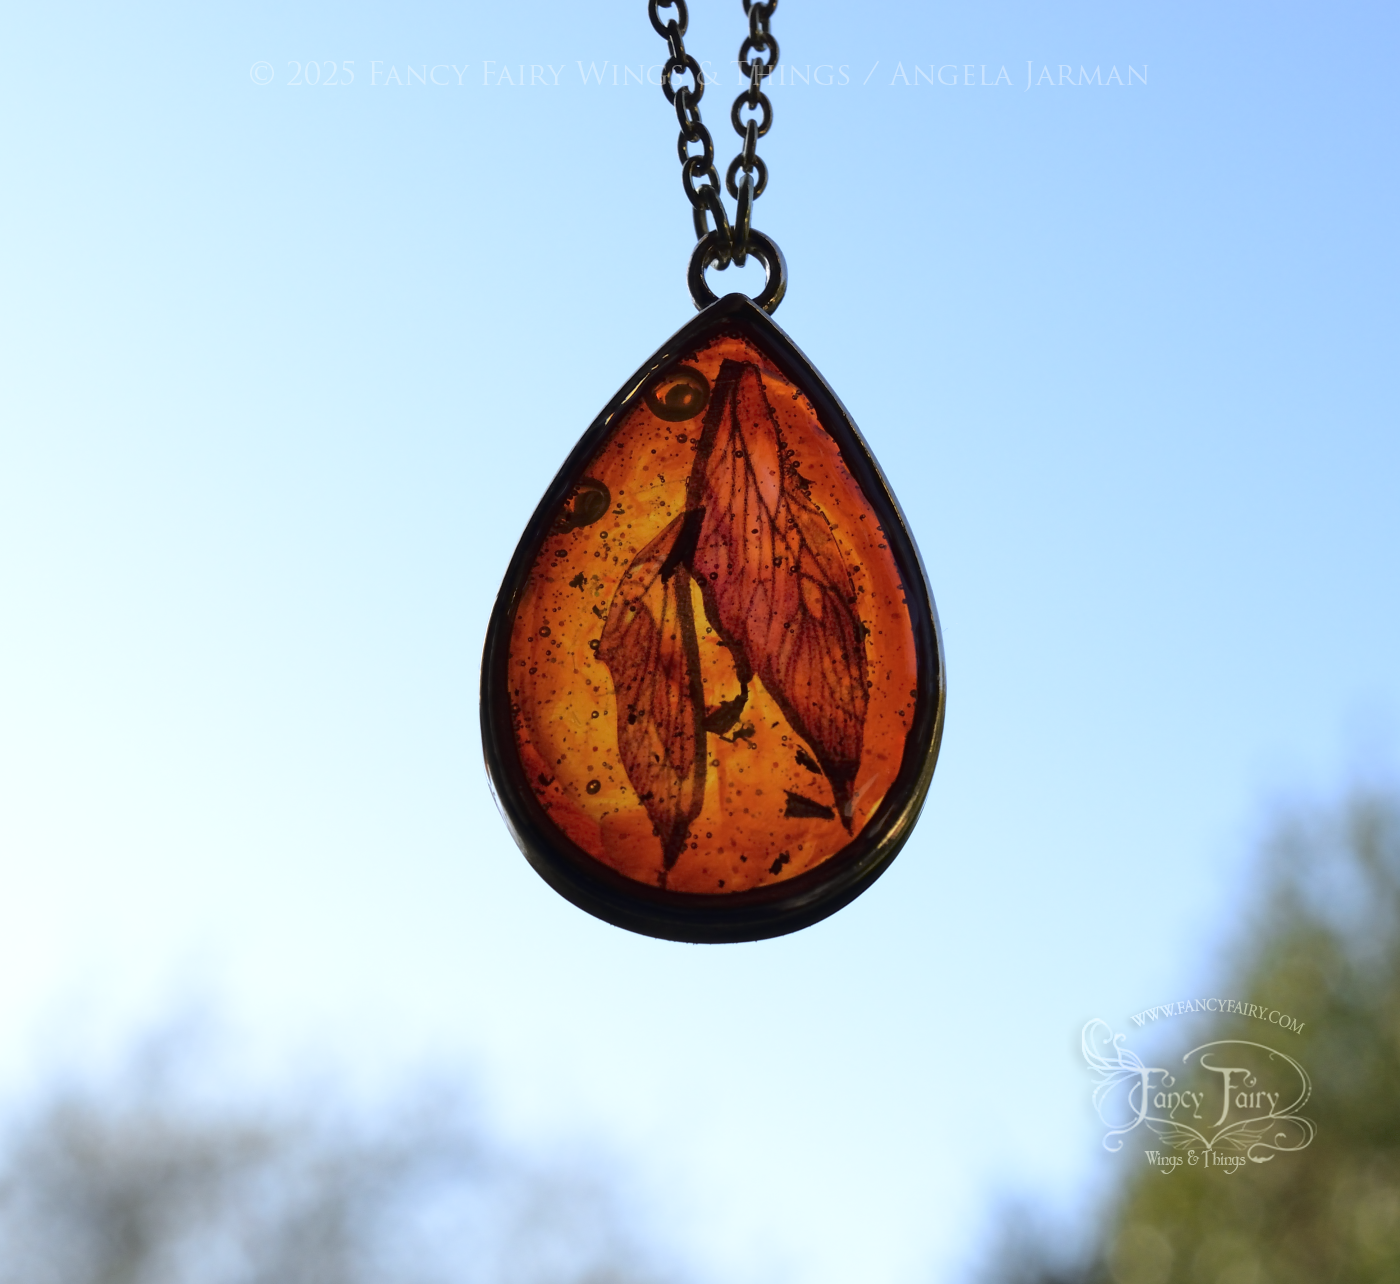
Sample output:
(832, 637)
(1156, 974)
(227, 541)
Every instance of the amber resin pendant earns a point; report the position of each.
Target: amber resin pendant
(713, 690)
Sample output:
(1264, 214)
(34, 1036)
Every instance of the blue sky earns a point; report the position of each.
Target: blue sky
(285, 369)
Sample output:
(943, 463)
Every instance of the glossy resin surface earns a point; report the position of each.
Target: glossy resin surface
(713, 686)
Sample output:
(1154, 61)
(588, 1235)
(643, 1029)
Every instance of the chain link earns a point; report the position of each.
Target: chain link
(747, 174)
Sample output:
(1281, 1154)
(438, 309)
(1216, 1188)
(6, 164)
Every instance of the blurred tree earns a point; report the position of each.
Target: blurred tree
(139, 1183)
(1324, 945)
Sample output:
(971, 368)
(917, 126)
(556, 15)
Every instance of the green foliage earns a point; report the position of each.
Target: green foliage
(1324, 945)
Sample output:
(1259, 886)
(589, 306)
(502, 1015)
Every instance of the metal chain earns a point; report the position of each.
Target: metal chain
(705, 199)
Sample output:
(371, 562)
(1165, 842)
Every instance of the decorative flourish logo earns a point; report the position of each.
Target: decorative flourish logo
(1234, 1102)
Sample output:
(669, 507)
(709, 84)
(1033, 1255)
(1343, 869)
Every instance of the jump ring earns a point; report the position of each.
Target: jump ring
(706, 254)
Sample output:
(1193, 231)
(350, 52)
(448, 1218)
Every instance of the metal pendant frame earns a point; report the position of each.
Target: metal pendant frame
(777, 908)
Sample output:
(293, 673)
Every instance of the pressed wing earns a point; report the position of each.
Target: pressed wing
(741, 768)
(650, 648)
(774, 581)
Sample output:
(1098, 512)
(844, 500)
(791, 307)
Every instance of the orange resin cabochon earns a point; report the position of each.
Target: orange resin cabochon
(712, 670)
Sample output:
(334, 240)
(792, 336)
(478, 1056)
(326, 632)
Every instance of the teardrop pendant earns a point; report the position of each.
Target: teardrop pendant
(713, 687)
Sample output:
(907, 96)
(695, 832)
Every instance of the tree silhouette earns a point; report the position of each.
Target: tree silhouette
(139, 1183)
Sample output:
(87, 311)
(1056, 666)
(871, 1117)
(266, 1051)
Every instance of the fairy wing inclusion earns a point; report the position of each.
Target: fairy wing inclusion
(713, 665)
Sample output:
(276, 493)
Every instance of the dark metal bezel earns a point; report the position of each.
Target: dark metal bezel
(761, 912)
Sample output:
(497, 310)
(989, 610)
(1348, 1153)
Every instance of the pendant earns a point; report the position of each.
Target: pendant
(713, 683)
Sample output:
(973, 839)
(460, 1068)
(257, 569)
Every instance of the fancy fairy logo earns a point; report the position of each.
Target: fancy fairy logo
(1227, 1103)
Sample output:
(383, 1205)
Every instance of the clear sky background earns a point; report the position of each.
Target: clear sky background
(285, 369)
